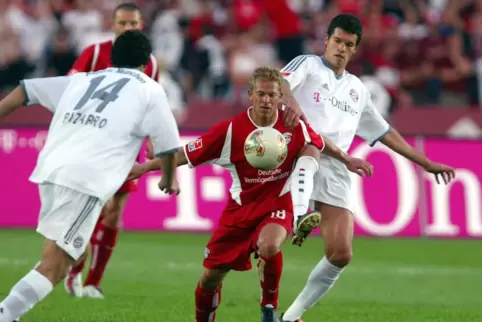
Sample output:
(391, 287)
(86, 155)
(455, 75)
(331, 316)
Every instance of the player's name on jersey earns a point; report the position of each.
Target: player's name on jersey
(85, 119)
(129, 72)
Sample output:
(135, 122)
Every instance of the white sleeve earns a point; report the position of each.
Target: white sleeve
(45, 91)
(372, 126)
(297, 70)
(159, 124)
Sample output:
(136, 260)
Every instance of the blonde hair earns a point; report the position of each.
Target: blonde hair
(265, 73)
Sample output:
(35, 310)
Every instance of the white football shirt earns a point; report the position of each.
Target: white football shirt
(338, 107)
(100, 121)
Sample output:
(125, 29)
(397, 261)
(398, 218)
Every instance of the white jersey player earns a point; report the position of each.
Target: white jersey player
(337, 105)
(100, 121)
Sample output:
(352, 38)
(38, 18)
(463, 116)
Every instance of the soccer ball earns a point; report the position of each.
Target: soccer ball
(265, 148)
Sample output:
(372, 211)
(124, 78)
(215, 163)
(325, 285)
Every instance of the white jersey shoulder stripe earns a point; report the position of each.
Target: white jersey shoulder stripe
(296, 63)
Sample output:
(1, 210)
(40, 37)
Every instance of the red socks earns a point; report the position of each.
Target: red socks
(75, 270)
(206, 304)
(270, 270)
(103, 242)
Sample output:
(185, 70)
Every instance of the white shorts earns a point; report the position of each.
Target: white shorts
(332, 184)
(68, 217)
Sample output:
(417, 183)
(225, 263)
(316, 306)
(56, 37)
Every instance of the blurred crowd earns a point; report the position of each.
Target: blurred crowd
(413, 53)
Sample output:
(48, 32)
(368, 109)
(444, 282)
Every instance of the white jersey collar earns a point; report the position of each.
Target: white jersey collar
(327, 64)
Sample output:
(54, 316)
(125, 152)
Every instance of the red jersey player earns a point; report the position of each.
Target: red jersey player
(96, 57)
(259, 214)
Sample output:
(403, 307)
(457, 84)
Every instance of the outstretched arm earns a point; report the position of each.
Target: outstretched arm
(12, 102)
(397, 143)
(354, 165)
(140, 169)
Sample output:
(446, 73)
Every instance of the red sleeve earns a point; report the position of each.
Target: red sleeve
(152, 69)
(84, 62)
(208, 148)
(311, 137)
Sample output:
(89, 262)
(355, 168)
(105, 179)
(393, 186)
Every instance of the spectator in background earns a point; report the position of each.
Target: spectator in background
(167, 38)
(81, 21)
(444, 54)
(13, 65)
(60, 55)
(289, 40)
(35, 27)
(101, 35)
(174, 93)
(214, 73)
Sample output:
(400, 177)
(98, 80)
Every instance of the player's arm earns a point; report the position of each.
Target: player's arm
(43, 91)
(84, 61)
(328, 147)
(206, 149)
(374, 128)
(294, 74)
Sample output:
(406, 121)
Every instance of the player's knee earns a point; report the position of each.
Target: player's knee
(113, 210)
(55, 263)
(339, 256)
(211, 279)
(267, 248)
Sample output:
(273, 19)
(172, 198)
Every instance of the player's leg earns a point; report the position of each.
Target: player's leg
(228, 249)
(270, 266)
(66, 230)
(208, 294)
(104, 241)
(73, 281)
(301, 189)
(337, 230)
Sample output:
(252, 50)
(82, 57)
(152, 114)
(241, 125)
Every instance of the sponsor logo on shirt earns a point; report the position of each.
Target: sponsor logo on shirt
(195, 145)
(268, 176)
(288, 137)
(354, 95)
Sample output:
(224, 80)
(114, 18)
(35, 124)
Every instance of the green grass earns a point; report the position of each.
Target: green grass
(152, 277)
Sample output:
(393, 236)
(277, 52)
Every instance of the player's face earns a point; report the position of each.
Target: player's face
(126, 20)
(340, 47)
(265, 97)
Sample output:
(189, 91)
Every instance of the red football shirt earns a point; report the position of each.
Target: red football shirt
(97, 57)
(223, 145)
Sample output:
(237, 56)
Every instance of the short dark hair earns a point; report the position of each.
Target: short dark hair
(348, 23)
(128, 6)
(131, 49)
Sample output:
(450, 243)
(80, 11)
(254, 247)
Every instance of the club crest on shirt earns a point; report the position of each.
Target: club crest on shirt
(195, 145)
(354, 95)
(287, 136)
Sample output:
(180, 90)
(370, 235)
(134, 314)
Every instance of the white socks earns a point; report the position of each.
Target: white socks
(30, 290)
(302, 184)
(321, 279)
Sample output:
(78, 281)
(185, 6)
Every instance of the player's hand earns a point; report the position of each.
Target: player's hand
(360, 167)
(170, 189)
(292, 113)
(137, 171)
(441, 170)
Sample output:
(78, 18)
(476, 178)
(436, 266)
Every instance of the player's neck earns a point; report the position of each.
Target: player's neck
(338, 72)
(261, 121)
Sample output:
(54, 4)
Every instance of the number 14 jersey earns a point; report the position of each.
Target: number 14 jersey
(100, 121)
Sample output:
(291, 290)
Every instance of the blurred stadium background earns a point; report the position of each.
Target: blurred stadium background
(421, 60)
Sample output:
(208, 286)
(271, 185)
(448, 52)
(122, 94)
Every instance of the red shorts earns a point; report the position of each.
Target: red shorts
(128, 186)
(231, 246)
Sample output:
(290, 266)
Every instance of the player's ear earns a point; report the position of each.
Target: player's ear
(326, 40)
(250, 95)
